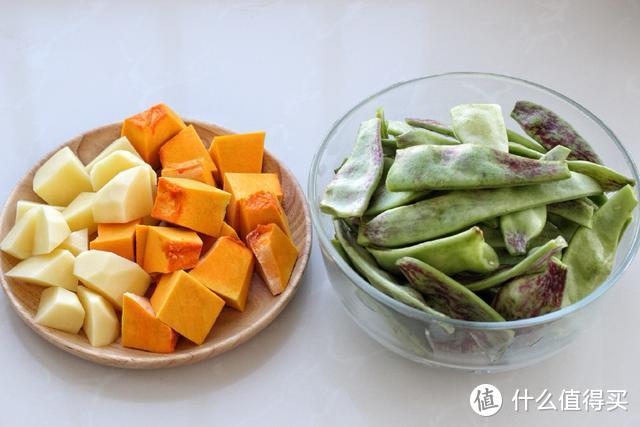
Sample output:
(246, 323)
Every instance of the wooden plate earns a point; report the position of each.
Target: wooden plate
(232, 327)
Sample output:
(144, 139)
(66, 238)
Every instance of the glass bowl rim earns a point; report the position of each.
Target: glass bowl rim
(408, 311)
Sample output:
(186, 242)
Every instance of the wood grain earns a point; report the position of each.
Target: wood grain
(232, 328)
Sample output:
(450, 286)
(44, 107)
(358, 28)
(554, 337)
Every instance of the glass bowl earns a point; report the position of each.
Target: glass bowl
(459, 344)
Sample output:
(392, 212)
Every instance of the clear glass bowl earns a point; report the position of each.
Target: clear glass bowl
(458, 344)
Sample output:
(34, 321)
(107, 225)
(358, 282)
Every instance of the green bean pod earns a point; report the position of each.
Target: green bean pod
(466, 251)
(592, 251)
(442, 215)
(348, 194)
(467, 166)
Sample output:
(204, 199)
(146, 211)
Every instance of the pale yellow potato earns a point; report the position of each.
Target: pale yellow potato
(54, 269)
(121, 143)
(77, 242)
(101, 324)
(116, 162)
(61, 178)
(128, 196)
(79, 214)
(110, 275)
(51, 230)
(19, 240)
(24, 206)
(60, 309)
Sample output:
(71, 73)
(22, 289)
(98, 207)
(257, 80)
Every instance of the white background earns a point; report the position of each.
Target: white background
(292, 68)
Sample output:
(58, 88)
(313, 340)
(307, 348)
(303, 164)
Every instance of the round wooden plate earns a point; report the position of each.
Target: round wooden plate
(232, 327)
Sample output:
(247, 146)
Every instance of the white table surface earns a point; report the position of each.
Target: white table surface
(292, 68)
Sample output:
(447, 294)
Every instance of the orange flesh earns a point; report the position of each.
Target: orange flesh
(141, 329)
(227, 269)
(188, 307)
(261, 208)
(276, 255)
(116, 238)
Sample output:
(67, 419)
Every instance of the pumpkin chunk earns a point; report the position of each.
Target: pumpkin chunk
(150, 129)
(191, 204)
(184, 304)
(261, 208)
(227, 269)
(238, 153)
(185, 146)
(165, 249)
(276, 255)
(191, 169)
(242, 185)
(116, 238)
(141, 329)
(227, 230)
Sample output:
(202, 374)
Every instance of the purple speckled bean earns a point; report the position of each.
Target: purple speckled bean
(536, 259)
(467, 166)
(480, 124)
(348, 194)
(551, 130)
(445, 294)
(534, 294)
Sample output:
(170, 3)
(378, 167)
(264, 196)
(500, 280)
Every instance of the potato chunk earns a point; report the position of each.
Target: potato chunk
(128, 196)
(54, 269)
(51, 230)
(110, 275)
(61, 178)
(101, 324)
(110, 166)
(60, 309)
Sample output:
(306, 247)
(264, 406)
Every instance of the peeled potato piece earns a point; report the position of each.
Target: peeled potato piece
(51, 230)
(77, 242)
(111, 165)
(19, 240)
(101, 324)
(24, 206)
(121, 143)
(128, 196)
(110, 275)
(79, 214)
(54, 269)
(61, 178)
(60, 309)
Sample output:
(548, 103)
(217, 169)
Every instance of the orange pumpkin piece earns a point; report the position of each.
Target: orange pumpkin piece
(238, 153)
(227, 230)
(191, 169)
(142, 231)
(261, 208)
(185, 146)
(226, 270)
(116, 238)
(242, 185)
(276, 255)
(167, 249)
(141, 329)
(191, 204)
(149, 130)
(184, 304)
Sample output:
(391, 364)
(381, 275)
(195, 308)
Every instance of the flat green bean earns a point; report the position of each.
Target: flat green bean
(467, 166)
(348, 194)
(442, 215)
(480, 124)
(592, 251)
(445, 294)
(466, 251)
(533, 262)
(379, 279)
(534, 294)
